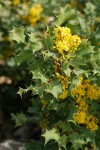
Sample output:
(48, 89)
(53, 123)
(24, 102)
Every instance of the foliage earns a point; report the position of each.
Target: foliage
(57, 54)
(17, 13)
(64, 82)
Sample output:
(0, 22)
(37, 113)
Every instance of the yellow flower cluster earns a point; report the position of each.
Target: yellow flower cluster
(35, 14)
(15, 2)
(86, 91)
(64, 80)
(80, 117)
(83, 92)
(90, 121)
(66, 42)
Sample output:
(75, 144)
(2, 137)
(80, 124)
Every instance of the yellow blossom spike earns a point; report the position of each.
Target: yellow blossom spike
(65, 42)
(34, 14)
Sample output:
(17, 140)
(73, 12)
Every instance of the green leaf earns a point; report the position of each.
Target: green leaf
(39, 145)
(38, 74)
(78, 61)
(55, 88)
(85, 48)
(64, 140)
(33, 37)
(51, 135)
(67, 71)
(66, 127)
(80, 72)
(19, 118)
(35, 108)
(36, 63)
(17, 34)
(96, 71)
(73, 110)
(77, 140)
(48, 42)
(25, 55)
(65, 15)
(34, 145)
(37, 47)
(21, 91)
(94, 64)
(47, 54)
(33, 40)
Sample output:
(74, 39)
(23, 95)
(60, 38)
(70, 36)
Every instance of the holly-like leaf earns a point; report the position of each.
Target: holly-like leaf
(67, 71)
(17, 34)
(38, 74)
(19, 118)
(33, 40)
(55, 88)
(96, 71)
(66, 127)
(80, 72)
(77, 141)
(73, 110)
(64, 140)
(88, 49)
(65, 15)
(23, 56)
(51, 135)
(21, 91)
(47, 54)
(33, 37)
(48, 42)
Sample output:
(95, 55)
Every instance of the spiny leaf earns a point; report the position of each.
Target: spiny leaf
(80, 72)
(64, 140)
(21, 91)
(51, 135)
(48, 42)
(19, 118)
(67, 71)
(85, 48)
(38, 74)
(77, 141)
(65, 14)
(48, 54)
(33, 37)
(25, 55)
(17, 34)
(55, 88)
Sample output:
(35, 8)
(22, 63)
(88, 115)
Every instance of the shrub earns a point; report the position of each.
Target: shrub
(64, 83)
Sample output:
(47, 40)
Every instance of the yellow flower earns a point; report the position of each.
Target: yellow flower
(82, 92)
(81, 79)
(35, 14)
(80, 117)
(16, 2)
(86, 90)
(81, 104)
(93, 92)
(63, 95)
(65, 42)
(91, 123)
